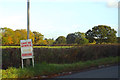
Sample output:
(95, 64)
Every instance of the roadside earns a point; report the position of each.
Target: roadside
(45, 70)
(74, 72)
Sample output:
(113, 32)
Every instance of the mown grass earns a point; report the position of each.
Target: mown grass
(49, 69)
(38, 46)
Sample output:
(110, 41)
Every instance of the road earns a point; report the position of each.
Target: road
(108, 72)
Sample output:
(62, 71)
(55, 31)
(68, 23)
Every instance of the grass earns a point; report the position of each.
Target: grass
(10, 46)
(49, 69)
(38, 46)
(52, 46)
(0, 74)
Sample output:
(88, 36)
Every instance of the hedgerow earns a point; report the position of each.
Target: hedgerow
(11, 57)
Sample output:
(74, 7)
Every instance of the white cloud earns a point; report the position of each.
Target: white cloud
(112, 4)
(109, 3)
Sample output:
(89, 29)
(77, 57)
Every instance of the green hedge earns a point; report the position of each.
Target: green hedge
(11, 56)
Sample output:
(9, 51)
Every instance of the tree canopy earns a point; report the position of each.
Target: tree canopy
(102, 33)
(98, 34)
(76, 38)
(60, 40)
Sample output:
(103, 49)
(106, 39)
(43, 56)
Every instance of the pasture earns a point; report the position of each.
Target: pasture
(38, 47)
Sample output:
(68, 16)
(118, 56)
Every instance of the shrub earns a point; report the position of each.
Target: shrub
(12, 56)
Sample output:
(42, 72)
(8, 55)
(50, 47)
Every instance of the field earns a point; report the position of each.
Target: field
(38, 46)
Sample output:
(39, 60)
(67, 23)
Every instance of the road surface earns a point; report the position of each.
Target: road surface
(108, 72)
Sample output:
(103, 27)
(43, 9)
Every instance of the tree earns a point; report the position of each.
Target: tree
(111, 37)
(7, 36)
(102, 33)
(17, 37)
(0, 37)
(89, 36)
(80, 38)
(70, 39)
(76, 38)
(38, 37)
(11, 37)
(60, 40)
(21, 35)
(41, 42)
(118, 39)
(32, 36)
(49, 41)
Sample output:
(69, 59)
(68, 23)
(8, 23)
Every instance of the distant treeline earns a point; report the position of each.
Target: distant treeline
(97, 35)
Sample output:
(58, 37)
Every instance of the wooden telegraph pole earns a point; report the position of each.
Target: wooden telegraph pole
(28, 3)
(28, 26)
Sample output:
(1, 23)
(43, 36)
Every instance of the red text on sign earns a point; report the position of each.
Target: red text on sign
(26, 44)
(27, 54)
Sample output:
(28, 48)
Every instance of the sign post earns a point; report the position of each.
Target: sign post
(27, 50)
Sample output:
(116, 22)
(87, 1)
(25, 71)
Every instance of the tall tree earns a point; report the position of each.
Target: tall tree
(7, 36)
(71, 38)
(103, 33)
(17, 37)
(76, 38)
(80, 38)
(89, 35)
(60, 40)
(11, 37)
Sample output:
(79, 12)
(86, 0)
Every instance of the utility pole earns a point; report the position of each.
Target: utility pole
(28, 26)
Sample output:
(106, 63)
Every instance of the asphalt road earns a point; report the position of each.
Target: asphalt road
(108, 72)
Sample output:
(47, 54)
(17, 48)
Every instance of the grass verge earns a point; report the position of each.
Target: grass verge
(49, 69)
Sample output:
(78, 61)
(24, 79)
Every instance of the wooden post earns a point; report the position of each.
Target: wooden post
(28, 26)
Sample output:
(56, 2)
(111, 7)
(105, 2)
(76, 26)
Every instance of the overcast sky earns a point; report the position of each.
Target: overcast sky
(55, 18)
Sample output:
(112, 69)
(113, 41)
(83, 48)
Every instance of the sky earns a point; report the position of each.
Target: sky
(54, 18)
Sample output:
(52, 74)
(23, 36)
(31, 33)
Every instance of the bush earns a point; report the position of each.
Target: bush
(11, 57)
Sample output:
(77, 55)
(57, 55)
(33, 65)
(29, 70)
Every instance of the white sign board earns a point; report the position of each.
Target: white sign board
(26, 50)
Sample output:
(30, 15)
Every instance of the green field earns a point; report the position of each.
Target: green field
(38, 46)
